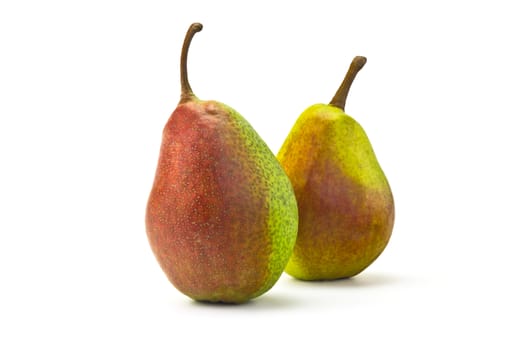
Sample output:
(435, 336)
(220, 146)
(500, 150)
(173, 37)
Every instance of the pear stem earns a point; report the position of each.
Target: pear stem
(186, 92)
(339, 99)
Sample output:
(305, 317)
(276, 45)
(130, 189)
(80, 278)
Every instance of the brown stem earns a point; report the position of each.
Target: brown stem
(186, 92)
(339, 99)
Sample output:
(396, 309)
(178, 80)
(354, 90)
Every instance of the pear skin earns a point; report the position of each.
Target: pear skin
(222, 217)
(346, 207)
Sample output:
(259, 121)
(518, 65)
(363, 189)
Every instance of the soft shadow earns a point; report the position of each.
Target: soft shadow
(262, 303)
(369, 280)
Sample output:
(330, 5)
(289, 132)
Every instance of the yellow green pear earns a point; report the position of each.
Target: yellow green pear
(346, 207)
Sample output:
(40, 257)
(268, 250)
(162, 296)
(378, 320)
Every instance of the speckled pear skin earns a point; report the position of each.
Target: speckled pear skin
(222, 216)
(346, 207)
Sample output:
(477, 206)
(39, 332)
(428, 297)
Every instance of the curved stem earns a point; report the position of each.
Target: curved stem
(339, 99)
(186, 92)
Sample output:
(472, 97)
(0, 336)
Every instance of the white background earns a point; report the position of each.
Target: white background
(85, 90)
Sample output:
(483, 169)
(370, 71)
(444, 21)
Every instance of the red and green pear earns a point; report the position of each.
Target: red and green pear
(222, 216)
(346, 207)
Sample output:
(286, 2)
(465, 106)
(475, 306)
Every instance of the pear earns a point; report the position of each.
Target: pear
(221, 217)
(346, 207)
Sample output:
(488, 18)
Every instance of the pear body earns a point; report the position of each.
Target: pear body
(222, 216)
(346, 207)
